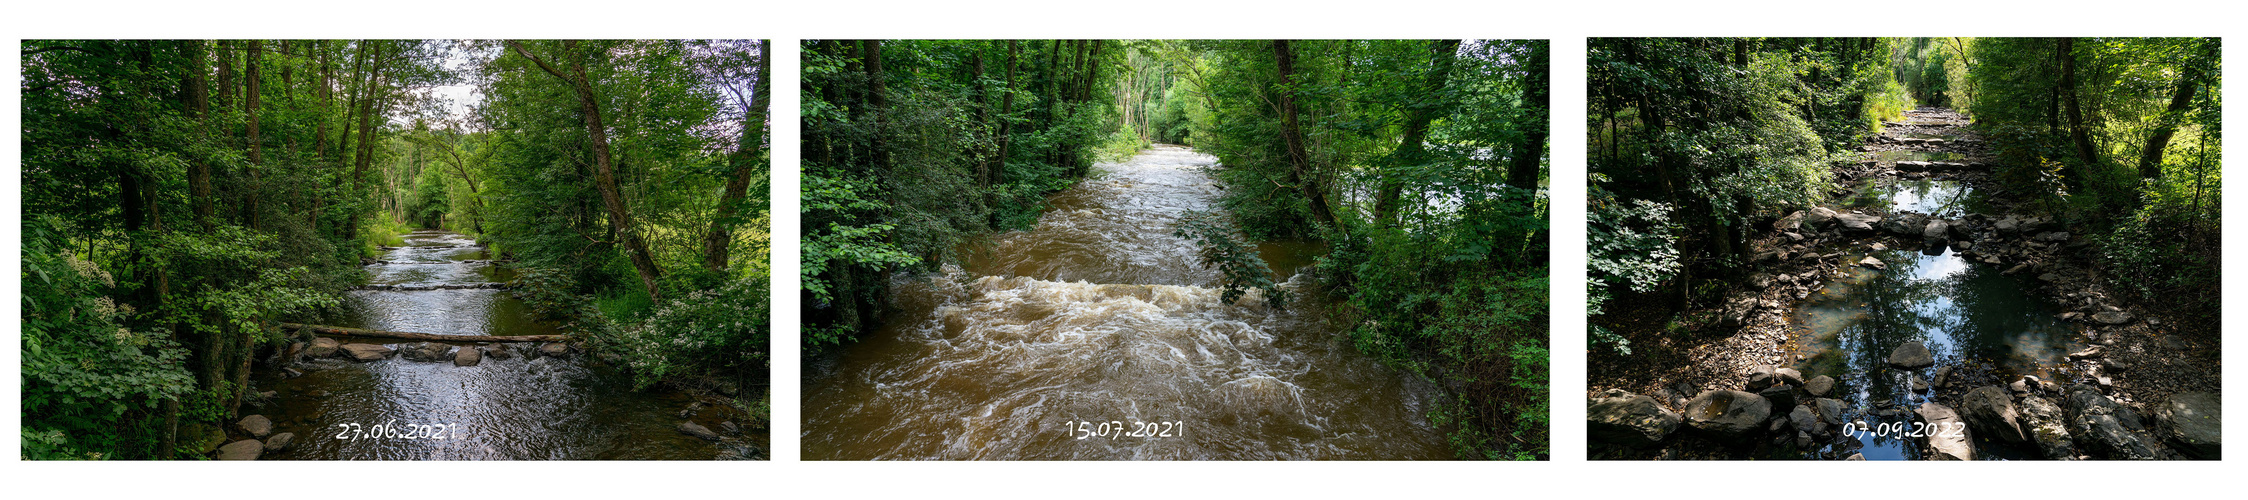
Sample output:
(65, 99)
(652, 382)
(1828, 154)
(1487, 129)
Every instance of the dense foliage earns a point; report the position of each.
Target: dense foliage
(1420, 164)
(912, 146)
(180, 197)
(1692, 141)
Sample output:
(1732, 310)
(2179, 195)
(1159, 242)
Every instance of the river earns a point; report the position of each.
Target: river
(1099, 317)
(522, 407)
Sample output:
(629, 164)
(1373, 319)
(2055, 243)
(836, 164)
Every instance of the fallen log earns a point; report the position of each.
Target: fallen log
(361, 332)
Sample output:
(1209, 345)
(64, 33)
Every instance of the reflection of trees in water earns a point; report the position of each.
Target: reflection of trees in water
(1897, 308)
(1994, 312)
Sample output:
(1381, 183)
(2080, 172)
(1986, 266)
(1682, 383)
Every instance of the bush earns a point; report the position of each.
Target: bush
(87, 379)
(1237, 259)
(725, 330)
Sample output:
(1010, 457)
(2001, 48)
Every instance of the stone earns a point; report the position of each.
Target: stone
(257, 425)
(2008, 225)
(1989, 410)
(2112, 317)
(1818, 217)
(427, 351)
(1876, 246)
(247, 449)
(1630, 420)
(2048, 427)
(280, 442)
(1803, 418)
(1856, 456)
(555, 349)
(1937, 230)
(1962, 245)
(1943, 377)
(1873, 263)
(1761, 377)
(1830, 413)
(2106, 428)
(1913, 355)
(2052, 237)
(698, 431)
(1942, 439)
(1819, 386)
(2017, 269)
(1919, 384)
(1780, 395)
(322, 347)
(1727, 414)
(500, 351)
(1857, 223)
(2191, 423)
(1790, 376)
(366, 353)
(1904, 224)
(2092, 352)
(2049, 277)
(468, 356)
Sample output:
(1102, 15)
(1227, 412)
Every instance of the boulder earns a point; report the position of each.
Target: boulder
(256, 425)
(2008, 225)
(468, 356)
(500, 351)
(1918, 384)
(1781, 396)
(1912, 355)
(1790, 376)
(1937, 230)
(1819, 386)
(698, 431)
(1943, 377)
(1908, 224)
(1790, 222)
(1857, 223)
(1727, 414)
(1873, 263)
(247, 449)
(427, 351)
(280, 442)
(2048, 427)
(1830, 414)
(1818, 217)
(555, 349)
(322, 347)
(2104, 427)
(1947, 440)
(2051, 237)
(1989, 410)
(1630, 420)
(1761, 377)
(366, 353)
(2190, 424)
(1803, 419)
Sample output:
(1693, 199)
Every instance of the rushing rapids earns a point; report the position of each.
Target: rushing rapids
(1099, 316)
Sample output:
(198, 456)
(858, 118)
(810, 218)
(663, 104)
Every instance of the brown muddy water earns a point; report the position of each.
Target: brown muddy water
(1099, 317)
(523, 408)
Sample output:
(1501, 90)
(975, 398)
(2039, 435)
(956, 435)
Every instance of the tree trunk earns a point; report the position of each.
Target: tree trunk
(1523, 172)
(1412, 149)
(752, 139)
(1299, 160)
(250, 109)
(2150, 160)
(197, 96)
(605, 177)
(2077, 134)
(1006, 126)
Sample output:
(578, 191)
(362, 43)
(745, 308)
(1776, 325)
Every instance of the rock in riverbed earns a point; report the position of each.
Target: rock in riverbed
(1913, 355)
(366, 353)
(2102, 426)
(280, 442)
(698, 431)
(322, 347)
(427, 351)
(2191, 423)
(1727, 413)
(1947, 437)
(468, 356)
(247, 449)
(1819, 386)
(256, 425)
(1628, 419)
(1989, 410)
